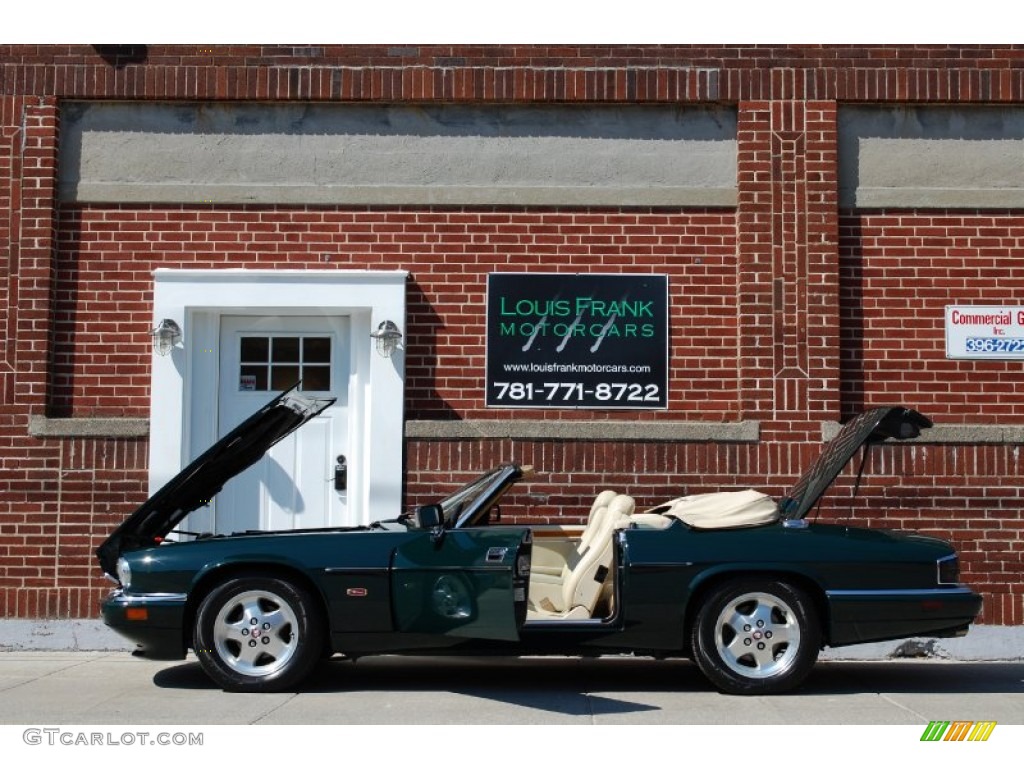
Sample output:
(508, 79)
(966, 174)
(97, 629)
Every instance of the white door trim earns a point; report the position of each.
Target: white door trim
(184, 384)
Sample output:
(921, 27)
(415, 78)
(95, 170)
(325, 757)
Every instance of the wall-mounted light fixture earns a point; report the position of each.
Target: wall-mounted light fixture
(386, 336)
(165, 336)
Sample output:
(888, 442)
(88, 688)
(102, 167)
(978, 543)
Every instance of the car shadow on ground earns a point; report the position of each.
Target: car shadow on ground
(554, 683)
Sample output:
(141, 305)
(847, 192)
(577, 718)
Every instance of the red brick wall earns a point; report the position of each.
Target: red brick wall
(899, 270)
(106, 257)
(782, 310)
(58, 505)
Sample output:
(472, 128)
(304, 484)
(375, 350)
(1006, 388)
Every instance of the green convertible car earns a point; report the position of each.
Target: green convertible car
(741, 583)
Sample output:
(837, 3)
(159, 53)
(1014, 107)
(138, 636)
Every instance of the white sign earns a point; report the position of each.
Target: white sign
(985, 333)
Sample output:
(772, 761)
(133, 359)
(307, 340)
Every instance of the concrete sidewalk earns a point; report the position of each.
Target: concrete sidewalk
(983, 643)
(94, 687)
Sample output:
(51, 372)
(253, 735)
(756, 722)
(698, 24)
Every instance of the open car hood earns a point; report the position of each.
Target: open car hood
(872, 426)
(201, 480)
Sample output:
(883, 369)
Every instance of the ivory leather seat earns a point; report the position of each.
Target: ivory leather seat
(578, 589)
(597, 512)
(551, 573)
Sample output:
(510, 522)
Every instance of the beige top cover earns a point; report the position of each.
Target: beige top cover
(725, 509)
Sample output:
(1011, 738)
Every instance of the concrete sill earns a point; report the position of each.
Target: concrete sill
(44, 427)
(968, 434)
(613, 431)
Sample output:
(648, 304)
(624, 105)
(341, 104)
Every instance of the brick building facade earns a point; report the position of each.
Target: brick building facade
(865, 189)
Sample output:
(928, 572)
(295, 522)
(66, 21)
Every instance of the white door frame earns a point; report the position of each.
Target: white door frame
(184, 384)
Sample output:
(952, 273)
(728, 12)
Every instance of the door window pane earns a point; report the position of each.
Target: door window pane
(276, 363)
(316, 349)
(255, 349)
(285, 350)
(253, 378)
(284, 376)
(316, 378)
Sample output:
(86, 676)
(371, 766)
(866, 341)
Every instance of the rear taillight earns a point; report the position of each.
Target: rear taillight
(949, 569)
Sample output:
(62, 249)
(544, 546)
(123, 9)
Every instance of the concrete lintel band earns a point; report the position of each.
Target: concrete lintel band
(348, 154)
(931, 157)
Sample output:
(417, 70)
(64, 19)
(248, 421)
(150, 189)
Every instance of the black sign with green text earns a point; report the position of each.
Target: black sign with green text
(577, 341)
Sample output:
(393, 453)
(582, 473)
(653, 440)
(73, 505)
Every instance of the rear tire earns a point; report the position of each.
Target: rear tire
(258, 634)
(756, 637)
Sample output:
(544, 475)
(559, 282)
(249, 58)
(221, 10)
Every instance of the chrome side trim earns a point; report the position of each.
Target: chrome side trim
(952, 592)
(445, 569)
(557, 624)
(456, 569)
(152, 597)
(661, 566)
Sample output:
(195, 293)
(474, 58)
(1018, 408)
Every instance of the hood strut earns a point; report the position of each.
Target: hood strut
(860, 469)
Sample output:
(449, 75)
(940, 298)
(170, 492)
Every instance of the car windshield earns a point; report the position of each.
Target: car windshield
(472, 500)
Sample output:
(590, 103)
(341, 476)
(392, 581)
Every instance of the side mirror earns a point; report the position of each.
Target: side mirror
(431, 516)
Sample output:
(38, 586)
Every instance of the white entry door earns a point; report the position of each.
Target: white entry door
(298, 483)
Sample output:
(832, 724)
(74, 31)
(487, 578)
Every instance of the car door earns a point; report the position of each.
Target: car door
(469, 582)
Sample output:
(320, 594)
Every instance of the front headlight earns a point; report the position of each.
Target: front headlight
(949, 569)
(124, 572)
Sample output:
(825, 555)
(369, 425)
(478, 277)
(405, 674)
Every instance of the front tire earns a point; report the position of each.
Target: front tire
(258, 634)
(756, 637)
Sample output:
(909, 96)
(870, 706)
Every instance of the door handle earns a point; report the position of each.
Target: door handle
(341, 475)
